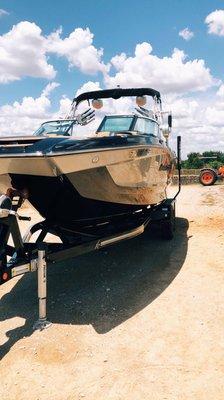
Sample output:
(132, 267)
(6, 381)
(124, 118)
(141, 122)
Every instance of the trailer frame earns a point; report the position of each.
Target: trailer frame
(25, 256)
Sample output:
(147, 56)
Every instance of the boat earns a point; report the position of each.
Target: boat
(123, 167)
(92, 192)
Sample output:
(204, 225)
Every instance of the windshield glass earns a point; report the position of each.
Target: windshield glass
(63, 127)
(146, 126)
(115, 124)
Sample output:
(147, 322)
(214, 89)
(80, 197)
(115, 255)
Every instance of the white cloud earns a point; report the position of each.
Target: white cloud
(200, 121)
(220, 91)
(24, 52)
(118, 61)
(64, 108)
(215, 117)
(88, 87)
(215, 22)
(186, 34)
(78, 49)
(3, 12)
(174, 74)
(49, 88)
(25, 116)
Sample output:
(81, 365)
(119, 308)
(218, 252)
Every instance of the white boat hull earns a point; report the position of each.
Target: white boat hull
(137, 175)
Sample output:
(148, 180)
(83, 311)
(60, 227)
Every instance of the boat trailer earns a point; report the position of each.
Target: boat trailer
(25, 256)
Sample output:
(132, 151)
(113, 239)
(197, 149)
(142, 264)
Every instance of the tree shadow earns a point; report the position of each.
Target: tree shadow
(103, 288)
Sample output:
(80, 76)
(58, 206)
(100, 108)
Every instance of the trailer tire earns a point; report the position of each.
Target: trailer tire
(207, 177)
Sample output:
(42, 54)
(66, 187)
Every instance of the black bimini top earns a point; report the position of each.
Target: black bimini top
(116, 94)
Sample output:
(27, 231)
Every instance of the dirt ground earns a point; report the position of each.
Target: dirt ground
(140, 320)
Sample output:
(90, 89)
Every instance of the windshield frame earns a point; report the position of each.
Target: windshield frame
(147, 119)
(59, 121)
(135, 118)
(132, 122)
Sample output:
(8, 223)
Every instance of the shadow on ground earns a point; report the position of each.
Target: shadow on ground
(104, 288)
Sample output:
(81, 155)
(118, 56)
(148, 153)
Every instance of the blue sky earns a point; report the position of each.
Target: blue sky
(187, 69)
(117, 27)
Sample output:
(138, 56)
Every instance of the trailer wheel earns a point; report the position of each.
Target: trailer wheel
(207, 177)
(168, 225)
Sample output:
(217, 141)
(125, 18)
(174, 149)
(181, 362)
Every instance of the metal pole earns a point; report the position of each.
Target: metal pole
(42, 322)
(178, 165)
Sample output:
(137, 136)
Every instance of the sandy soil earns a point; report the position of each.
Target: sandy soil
(142, 320)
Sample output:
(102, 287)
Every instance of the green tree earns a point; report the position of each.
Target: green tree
(211, 159)
(193, 161)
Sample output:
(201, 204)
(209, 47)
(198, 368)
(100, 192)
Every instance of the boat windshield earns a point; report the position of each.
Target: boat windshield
(115, 124)
(121, 123)
(146, 126)
(60, 127)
